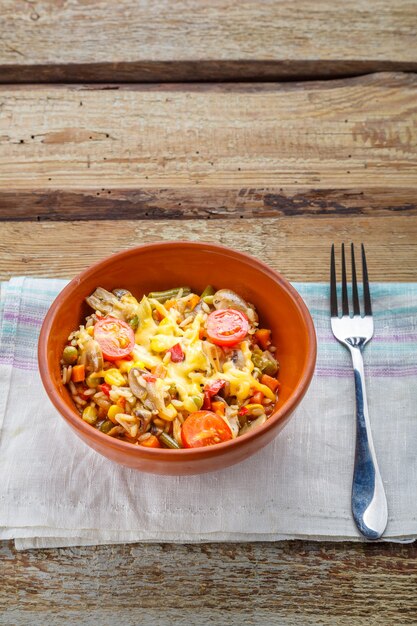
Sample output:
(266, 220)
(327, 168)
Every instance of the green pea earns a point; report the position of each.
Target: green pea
(106, 426)
(70, 355)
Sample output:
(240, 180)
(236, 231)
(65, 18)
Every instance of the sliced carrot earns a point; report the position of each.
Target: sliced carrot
(150, 442)
(218, 407)
(193, 301)
(168, 304)
(78, 373)
(159, 371)
(158, 316)
(257, 398)
(102, 412)
(270, 382)
(121, 402)
(263, 337)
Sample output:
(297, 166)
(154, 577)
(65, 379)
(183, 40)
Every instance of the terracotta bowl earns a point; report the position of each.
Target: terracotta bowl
(160, 266)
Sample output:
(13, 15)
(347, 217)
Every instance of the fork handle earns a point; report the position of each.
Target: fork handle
(369, 503)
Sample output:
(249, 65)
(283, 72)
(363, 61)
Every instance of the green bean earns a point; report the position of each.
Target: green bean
(70, 355)
(168, 441)
(208, 291)
(163, 296)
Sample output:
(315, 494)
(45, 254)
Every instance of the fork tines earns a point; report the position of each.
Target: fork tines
(355, 294)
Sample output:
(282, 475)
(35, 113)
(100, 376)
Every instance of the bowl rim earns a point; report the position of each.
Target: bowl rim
(161, 454)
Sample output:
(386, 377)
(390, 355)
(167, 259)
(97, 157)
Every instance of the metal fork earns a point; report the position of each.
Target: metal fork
(369, 504)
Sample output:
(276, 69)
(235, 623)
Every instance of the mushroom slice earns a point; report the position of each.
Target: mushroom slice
(119, 293)
(105, 302)
(92, 356)
(228, 299)
(250, 425)
(238, 359)
(135, 383)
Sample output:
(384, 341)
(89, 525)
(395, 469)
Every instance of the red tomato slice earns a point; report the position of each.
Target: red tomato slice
(204, 428)
(116, 338)
(226, 327)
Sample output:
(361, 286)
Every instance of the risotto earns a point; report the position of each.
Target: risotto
(176, 369)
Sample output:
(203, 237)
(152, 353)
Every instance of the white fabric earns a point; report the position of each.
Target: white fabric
(55, 491)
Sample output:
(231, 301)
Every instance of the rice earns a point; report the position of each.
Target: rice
(186, 321)
(136, 411)
(123, 391)
(104, 403)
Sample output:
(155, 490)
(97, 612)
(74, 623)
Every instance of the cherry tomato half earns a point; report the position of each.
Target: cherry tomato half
(204, 428)
(116, 338)
(226, 327)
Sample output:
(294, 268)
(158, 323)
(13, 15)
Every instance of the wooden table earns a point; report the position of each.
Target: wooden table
(277, 169)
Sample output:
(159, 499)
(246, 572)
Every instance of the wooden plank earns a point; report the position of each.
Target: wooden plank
(195, 40)
(297, 247)
(335, 147)
(285, 583)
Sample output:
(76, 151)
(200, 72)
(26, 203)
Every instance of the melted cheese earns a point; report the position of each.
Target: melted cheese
(191, 375)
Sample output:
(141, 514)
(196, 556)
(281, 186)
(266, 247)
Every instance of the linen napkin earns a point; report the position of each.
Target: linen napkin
(55, 491)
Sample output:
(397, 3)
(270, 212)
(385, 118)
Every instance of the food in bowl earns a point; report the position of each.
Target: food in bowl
(174, 370)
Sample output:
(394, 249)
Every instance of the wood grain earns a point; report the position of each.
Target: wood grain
(52, 40)
(336, 147)
(297, 247)
(286, 583)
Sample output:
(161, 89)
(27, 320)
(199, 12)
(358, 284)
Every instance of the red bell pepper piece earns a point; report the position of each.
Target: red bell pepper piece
(213, 387)
(210, 390)
(177, 355)
(105, 388)
(207, 401)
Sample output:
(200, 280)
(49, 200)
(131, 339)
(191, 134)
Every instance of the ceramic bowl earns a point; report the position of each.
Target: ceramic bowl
(159, 266)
